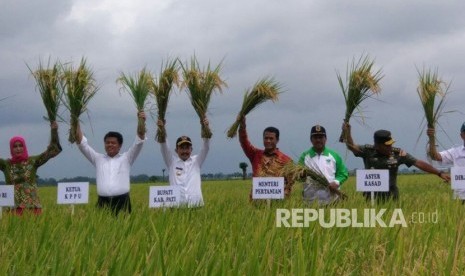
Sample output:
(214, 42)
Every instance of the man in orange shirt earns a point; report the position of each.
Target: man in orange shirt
(268, 162)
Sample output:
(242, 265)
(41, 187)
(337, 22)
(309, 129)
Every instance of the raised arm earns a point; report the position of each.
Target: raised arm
(433, 152)
(247, 147)
(78, 133)
(204, 122)
(206, 144)
(53, 149)
(141, 125)
(350, 144)
(165, 150)
(84, 146)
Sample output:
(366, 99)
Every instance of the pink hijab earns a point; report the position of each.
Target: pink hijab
(18, 158)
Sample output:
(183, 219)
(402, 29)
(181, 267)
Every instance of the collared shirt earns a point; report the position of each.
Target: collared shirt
(374, 160)
(186, 174)
(456, 157)
(330, 164)
(265, 164)
(113, 173)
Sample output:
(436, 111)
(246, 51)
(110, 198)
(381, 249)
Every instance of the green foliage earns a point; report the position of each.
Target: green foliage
(230, 236)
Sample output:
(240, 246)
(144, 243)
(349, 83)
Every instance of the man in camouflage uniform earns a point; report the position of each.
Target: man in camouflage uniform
(383, 156)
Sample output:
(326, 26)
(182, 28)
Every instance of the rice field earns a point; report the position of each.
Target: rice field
(230, 236)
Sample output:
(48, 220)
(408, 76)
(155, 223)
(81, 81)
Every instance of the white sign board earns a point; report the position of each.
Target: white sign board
(457, 177)
(73, 193)
(268, 187)
(7, 195)
(164, 196)
(372, 180)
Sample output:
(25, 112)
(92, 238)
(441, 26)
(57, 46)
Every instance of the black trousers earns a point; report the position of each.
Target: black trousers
(115, 204)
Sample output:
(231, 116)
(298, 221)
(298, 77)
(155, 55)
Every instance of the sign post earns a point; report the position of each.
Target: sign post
(457, 176)
(73, 193)
(268, 188)
(164, 196)
(372, 181)
(7, 197)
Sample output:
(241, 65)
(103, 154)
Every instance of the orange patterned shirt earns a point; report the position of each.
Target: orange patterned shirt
(265, 164)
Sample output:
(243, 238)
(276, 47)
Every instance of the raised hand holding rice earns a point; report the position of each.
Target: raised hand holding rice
(361, 83)
(263, 90)
(200, 84)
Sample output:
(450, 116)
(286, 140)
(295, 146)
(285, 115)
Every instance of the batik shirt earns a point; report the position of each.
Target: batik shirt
(23, 175)
(265, 164)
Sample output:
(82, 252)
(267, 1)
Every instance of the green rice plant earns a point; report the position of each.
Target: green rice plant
(200, 84)
(432, 92)
(162, 86)
(265, 89)
(138, 87)
(49, 83)
(229, 236)
(360, 84)
(80, 87)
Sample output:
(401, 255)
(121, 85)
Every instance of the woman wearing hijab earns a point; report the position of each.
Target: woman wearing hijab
(21, 169)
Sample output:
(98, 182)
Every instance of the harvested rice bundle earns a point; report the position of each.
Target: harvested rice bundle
(80, 87)
(200, 84)
(161, 90)
(313, 176)
(139, 87)
(432, 92)
(361, 84)
(50, 85)
(263, 90)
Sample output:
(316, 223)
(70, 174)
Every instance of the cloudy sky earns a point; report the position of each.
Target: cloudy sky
(303, 44)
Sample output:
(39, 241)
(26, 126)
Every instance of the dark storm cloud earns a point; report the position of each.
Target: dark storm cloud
(303, 44)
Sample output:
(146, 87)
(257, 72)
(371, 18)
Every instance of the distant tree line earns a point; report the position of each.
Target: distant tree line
(144, 178)
(141, 178)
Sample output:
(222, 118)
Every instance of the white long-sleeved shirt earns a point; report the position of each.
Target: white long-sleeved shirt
(113, 173)
(456, 157)
(186, 174)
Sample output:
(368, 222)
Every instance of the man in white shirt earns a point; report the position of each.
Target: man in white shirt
(113, 168)
(453, 156)
(184, 168)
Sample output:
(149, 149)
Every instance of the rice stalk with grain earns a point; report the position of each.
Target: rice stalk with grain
(49, 83)
(432, 92)
(200, 84)
(162, 87)
(311, 175)
(361, 83)
(138, 86)
(79, 88)
(265, 89)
